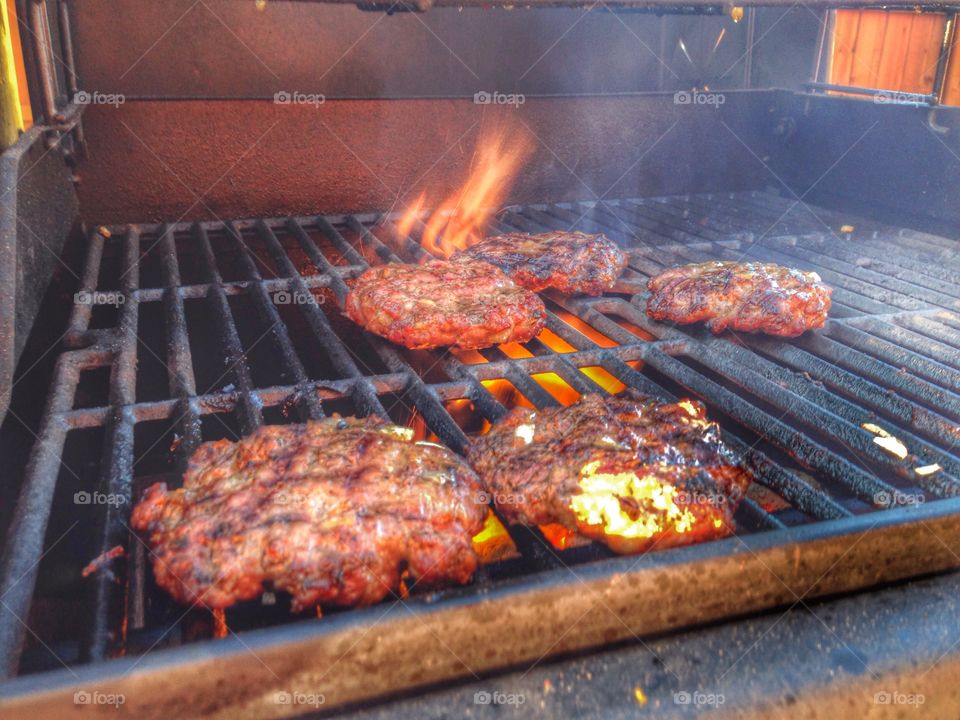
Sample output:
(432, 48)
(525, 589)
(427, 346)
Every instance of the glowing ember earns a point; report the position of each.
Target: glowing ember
(586, 329)
(461, 219)
(493, 543)
(600, 376)
(599, 503)
(562, 537)
(401, 433)
(875, 429)
(893, 446)
(557, 387)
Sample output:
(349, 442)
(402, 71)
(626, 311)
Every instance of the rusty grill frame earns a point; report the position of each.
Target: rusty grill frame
(893, 308)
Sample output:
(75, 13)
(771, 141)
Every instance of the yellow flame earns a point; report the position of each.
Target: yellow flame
(598, 504)
(493, 542)
(460, 220)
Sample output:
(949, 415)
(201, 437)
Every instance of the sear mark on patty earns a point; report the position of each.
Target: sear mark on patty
(332, 512)
(461, 303)
(750, 297)
(570, 262)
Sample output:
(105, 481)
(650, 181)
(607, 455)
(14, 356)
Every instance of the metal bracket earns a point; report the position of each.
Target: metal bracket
(57, 120)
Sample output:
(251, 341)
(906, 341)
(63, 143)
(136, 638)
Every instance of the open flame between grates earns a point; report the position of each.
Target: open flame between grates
(192, 332)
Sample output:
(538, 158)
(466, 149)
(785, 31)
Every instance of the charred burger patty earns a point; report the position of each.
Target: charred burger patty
(331, 511)
(460, 302)
(752, 297)
(570, 262)
(629, 474)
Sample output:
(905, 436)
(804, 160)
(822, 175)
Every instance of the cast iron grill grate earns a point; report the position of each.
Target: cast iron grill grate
(190, 332)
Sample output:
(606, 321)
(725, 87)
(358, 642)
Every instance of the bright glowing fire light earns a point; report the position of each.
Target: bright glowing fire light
(599, 505)
(460, 220)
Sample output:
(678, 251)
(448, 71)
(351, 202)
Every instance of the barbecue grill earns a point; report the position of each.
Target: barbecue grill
(179, 318)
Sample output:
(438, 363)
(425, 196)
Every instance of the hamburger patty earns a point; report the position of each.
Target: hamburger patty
(331, 511)
(752, 297)
(570, 262)
(629, 474)
(460, 303)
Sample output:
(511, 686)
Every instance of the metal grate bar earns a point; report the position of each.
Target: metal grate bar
(792, 409)
(924, 421)
(310, 406)
(249, 407)
(894, 355)
(182, 383)
(77, 328)
(940, 328)
(824, 412)
(365, 394)
(25, 537)
(812, 454)
(904, 337)
(117, 466)
(822, 246)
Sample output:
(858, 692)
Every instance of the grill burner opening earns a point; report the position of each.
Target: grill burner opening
(223, 327)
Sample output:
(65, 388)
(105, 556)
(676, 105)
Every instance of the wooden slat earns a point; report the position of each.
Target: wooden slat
(868, 49)
(895, 46)
(920, 67)
(844, 40)
(887, 50)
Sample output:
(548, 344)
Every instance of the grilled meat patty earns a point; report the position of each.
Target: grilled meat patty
(627, 473)
(752, 297)
(571, 262)
(331, 511)
(460, 302)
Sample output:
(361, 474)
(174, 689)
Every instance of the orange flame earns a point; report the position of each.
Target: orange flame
(220, 629)
(493, 543)
(460, 220)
